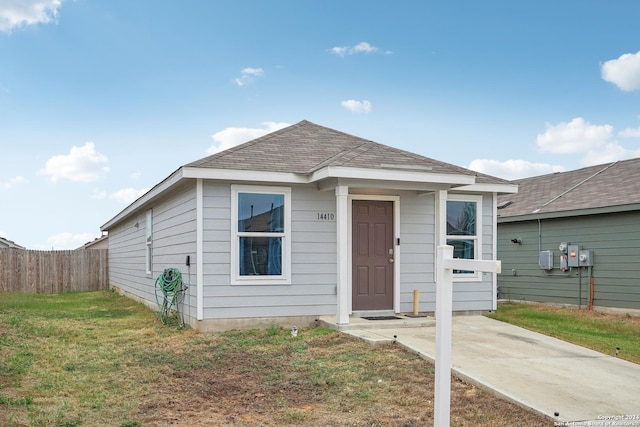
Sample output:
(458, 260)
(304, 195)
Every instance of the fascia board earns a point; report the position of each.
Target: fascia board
(421, 188)
(160, 188)
(569, 213)
(244, 175)
(489, 188)
(391, 175)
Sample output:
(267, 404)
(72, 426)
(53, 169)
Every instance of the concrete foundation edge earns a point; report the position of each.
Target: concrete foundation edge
(221, 325)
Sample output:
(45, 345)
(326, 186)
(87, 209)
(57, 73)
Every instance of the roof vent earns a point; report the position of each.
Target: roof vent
(504, 204)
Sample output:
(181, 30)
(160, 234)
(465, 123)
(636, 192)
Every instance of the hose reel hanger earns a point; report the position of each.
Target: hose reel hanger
(169, 290)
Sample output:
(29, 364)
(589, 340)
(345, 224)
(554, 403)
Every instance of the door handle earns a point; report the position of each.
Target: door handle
(391, 260)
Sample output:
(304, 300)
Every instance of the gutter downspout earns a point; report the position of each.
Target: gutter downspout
(579, 288)
(591, 289)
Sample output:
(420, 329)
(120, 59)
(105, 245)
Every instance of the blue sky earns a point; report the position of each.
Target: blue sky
(101, 100)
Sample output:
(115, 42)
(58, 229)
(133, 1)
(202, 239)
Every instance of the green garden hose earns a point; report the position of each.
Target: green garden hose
(169, 290)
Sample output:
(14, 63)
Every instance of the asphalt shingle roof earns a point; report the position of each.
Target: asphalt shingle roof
(306, 147)
(601, 186)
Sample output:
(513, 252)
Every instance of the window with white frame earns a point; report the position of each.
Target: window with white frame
(149, 241)
(261, 227)
(464, 230)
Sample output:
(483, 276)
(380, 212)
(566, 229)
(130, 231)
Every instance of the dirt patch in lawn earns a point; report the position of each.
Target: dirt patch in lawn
(98, 359)
(326, 379)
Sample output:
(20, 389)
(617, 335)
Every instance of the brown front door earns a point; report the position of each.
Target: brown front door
(372, 258)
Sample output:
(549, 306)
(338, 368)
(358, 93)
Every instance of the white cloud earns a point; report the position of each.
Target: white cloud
(3, 234)
(66, 240)
(593, 142)
(247, 75)
(357, 106)
(630, 133)
(513, 169)
(230, 137)
(136, 175)
(623, 72)
(17, 13)
(13, 182)
(128, 195)
(609, 152)
(362, 47)
(82, 164)
(577, 136)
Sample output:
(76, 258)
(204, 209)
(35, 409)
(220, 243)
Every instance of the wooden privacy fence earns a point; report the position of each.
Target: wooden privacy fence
(51, 272)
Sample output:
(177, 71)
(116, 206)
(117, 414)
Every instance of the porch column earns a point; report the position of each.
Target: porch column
(441, 218)
(342, 240)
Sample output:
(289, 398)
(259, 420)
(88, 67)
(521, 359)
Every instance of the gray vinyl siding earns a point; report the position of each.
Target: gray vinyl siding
(313, 255)
(614, 239)
(127, 257)
(313, 260)
(417, 237)
(473, 296)
(417, 251)
(173, 238)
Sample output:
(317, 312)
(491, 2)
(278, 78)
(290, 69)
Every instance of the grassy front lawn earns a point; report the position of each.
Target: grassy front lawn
(99, 359)
(597, 331)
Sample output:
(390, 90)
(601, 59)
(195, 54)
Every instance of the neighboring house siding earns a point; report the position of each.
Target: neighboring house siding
(313, 265)
(614, 239)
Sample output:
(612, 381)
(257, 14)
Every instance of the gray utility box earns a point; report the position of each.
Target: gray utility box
(546, 260)
(585, 258)
(573, 256)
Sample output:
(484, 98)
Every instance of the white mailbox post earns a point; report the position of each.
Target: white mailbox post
(444, 308)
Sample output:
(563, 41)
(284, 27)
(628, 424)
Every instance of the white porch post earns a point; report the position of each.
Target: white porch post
(444, 308)
(441, 218)
(342, 240)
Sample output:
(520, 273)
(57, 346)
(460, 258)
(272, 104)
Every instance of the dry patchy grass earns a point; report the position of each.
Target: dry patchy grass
(99, 359)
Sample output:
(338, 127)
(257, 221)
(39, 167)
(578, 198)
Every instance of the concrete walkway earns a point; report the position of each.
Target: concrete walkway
(545, 374)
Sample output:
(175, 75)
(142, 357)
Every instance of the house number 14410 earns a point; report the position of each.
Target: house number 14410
(326, 216)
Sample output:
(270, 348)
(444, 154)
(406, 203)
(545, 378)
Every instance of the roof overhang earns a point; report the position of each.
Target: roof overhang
(489, 188)
(160, 188)
(570, 213)
(325, 178)
(243, 175)
(391, 175)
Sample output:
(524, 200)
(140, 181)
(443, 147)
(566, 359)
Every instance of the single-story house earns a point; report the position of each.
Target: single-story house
(101, 242)
(573, 237)
(6, 244)
(303, 222)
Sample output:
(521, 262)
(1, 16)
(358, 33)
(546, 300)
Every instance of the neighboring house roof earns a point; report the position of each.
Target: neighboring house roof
(595, 189)
(101, 242)
(307, 153)
(6, 243)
